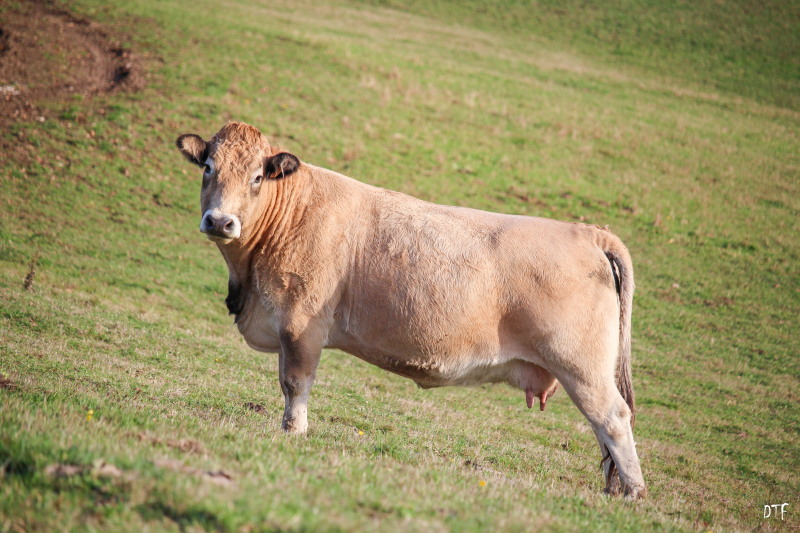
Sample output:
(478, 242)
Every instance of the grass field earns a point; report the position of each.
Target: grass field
(129, 402)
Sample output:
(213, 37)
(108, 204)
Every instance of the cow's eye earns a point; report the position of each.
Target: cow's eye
(257, 180)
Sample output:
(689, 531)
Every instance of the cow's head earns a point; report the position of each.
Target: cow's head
(237, 163)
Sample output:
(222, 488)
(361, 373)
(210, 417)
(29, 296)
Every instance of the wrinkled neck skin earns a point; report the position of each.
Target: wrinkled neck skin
(268, 233)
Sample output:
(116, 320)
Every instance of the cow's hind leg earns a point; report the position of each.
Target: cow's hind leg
(610, 472)
(602, 404)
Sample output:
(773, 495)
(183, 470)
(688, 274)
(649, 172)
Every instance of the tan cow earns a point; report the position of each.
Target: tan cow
(442, 295)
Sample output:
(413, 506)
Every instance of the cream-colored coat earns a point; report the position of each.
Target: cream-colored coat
(442, 295)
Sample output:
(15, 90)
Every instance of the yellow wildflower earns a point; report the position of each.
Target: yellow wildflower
(89, 415)
(481, 483)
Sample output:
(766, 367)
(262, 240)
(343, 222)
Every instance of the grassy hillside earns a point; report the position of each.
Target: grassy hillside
(129, 402)
(740, 47)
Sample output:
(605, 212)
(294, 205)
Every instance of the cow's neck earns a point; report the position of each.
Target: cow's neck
(276, 232)
(271, 238)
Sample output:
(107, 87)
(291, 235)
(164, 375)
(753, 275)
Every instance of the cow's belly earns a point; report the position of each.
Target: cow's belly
(469, 369)
(458, 358)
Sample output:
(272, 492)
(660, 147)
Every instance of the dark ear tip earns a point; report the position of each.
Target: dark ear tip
(193, 148)
(286, 157)
(281, 165)
(180, 142)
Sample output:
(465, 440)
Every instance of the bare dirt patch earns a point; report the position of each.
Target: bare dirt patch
(217, 477)
(100, 468)
(50, 55)
(6, 383)
(257, 407)
(184, 445)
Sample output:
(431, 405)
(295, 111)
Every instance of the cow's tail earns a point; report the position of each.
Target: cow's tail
(622, 268)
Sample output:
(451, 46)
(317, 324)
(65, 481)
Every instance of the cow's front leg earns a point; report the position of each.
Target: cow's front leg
(299, 358)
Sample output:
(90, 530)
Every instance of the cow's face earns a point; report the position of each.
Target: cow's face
(237, 164)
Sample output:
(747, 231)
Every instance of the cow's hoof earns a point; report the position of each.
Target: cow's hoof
(635, 493)
(294, 426)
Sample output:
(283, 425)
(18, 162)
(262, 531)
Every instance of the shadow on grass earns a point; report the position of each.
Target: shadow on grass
(184, 518)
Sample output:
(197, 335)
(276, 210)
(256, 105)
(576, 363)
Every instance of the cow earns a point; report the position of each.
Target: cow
(439, 294)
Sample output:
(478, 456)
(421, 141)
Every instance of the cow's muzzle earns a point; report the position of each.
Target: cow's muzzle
(220, 227)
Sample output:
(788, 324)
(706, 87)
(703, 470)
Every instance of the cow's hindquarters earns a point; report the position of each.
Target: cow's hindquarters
(611, 403)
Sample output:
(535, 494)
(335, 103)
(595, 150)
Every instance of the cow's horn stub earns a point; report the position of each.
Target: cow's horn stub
(280, 165)
(193, 148)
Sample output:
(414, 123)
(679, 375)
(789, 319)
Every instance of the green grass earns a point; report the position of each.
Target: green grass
(740, 47)
(628, 117)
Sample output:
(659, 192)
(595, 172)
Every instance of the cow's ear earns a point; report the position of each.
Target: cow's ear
(193, 148)
(280, 165)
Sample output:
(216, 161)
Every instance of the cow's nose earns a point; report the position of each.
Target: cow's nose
(220, 225)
